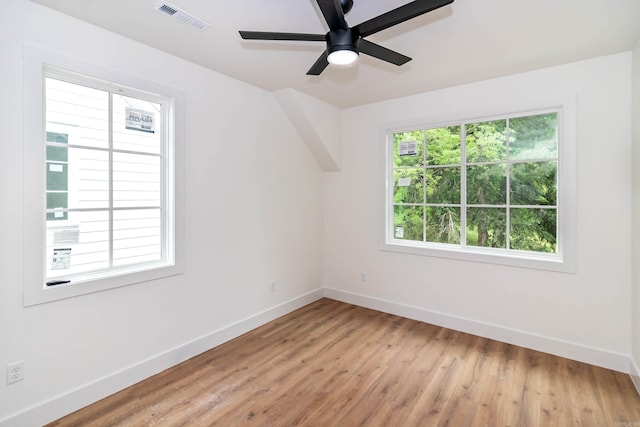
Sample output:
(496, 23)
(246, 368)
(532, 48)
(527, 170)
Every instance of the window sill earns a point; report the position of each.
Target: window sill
(521, 259)
(95, 283)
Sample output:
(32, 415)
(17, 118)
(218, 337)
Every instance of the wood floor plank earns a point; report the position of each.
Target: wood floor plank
(335, 364)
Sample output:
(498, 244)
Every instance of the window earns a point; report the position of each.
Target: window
(106, 159)
(486, 187)
(105, 174)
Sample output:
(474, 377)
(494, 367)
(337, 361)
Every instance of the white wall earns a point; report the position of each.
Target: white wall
(585, 316)
(635, 296)
(254, 212)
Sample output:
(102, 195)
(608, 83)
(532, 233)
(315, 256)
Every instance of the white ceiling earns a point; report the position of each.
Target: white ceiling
(469, 40)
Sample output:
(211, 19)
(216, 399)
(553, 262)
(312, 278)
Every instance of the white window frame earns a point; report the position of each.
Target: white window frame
(562, 261)
(36, 61)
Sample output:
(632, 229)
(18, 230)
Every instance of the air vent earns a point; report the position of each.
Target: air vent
(166, 9)
(180, 15)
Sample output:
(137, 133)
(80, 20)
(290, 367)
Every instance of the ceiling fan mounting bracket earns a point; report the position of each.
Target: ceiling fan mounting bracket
(346, 5)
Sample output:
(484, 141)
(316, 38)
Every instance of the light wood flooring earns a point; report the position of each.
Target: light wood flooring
(335, 364)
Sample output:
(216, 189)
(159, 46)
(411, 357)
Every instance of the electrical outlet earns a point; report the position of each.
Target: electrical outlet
(363, 277)
(273, 286)
(15, 372)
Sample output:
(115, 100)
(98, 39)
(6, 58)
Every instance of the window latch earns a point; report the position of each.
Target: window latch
(57, 282)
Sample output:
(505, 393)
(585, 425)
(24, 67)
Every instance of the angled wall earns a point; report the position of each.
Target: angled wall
(318, 124)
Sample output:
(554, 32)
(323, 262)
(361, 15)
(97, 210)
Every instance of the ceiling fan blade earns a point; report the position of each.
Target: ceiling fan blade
(333, 14)
(383, 53)
(264, 35)
(399, 15)
(319, 65)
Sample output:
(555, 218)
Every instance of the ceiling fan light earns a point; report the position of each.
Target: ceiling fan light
(343, 57)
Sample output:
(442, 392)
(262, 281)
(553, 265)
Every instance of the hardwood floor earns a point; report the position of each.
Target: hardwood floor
(335, 364)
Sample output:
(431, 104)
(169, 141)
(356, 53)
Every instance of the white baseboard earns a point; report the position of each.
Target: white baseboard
(570, 350)
(73, 400)
(634, 373)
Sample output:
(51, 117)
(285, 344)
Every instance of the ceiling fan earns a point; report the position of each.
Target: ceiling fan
(344, 43)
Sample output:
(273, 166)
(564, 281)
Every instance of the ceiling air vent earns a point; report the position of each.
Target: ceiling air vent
(180, 15)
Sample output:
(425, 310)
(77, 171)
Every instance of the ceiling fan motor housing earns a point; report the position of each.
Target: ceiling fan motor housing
(343, 40)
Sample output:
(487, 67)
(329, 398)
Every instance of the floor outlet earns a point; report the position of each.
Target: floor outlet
(15, 372)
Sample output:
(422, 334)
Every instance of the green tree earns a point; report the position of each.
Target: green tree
(410, 220)
(533, 229)
(533, 182)
(443, 224)
(486, 182)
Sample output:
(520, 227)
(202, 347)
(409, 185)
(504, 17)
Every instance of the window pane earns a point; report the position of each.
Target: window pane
(57, 200)
(136, 180)
(408, 149)
(57, 176)
(408, 186)
(534, 183)
(59, 154)
(79, 244)
(443, 224)
(136, 125)
(58, 138)
(80, 112)
(443, 185)
(486, 227)
(443, 146)
(136, 236)
(486, 185)
(534, 137)
(408, 222)
(533, 230)
(88, 178)
(81, 183)
(486, 141)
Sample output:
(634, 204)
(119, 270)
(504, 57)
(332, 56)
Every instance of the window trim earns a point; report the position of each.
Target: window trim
(564, 260)
(34, 289)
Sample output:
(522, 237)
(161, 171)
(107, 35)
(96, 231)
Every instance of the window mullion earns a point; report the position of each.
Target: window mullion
(463, 185)
(424, 186)
(508, 187)
(164, 176)
(110, 135)
(390, 182)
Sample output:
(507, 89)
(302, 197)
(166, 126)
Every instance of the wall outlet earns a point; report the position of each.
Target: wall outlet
(15, 372)
(274, 286)
(363, 277)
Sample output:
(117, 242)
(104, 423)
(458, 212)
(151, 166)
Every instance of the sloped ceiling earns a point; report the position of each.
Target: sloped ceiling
(470, 40)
